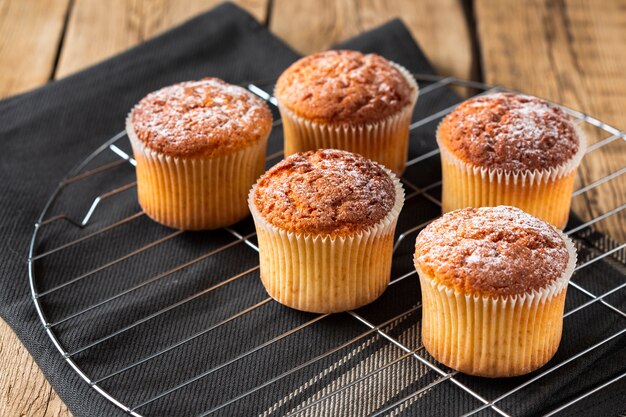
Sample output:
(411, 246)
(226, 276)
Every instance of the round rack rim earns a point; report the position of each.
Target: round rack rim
(438, 82)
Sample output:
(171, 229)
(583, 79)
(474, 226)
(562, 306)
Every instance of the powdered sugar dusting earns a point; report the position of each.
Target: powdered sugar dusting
(513, 132)
(205, 117)
(491, 250)
(343, 86)
(326, 191)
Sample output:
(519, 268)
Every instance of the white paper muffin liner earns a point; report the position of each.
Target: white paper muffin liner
(323, 273)
(494, 336)
(196, 193)
(385, 141)
(543, 193)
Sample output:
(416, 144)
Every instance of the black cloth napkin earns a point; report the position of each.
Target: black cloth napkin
(44, 133)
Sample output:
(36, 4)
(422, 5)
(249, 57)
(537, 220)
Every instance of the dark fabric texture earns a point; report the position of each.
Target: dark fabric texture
(167, 313)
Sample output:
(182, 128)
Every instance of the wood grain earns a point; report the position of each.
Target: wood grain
(95, 30)
(30, 32)
(100, 29)
(440, 26)
(25, 391)
(572, 52)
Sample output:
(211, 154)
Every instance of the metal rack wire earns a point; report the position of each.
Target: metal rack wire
(76, 355)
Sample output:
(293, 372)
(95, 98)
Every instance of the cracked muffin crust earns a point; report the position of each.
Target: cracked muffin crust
(343, 87)
(512, 132)
(204, 118)
(325, 192)
(491, 251)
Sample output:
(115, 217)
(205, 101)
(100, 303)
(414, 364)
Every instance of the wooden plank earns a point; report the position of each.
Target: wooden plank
(572, 52)
(30, 31)
(99, 29)
(439, 26)
(592, 32)
(96, 30)
(25, 391)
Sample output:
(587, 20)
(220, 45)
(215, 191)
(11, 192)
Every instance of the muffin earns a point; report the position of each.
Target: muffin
(348, 100)
(325, 223)
(493, 283)
(510, 149)
(199, 147)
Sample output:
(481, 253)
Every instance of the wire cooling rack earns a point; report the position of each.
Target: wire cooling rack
(74, 248)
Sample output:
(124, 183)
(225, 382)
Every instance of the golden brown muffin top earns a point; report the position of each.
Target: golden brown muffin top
(512, 132)
(327, 192)
(491, 251)
(202, 118)
(343, 87)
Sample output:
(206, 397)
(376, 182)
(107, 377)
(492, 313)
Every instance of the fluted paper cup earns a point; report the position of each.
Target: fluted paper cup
(196, 193)
(494, 336)
(323, 273)
(545, 194)
(385, 141)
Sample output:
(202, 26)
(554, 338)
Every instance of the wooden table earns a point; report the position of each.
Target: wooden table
(569, 51)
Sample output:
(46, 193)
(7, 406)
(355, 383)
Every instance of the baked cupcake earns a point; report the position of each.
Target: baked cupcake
(199, 147)
(493, 285)
(325, 221)
(510, 149)
(348, 100)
